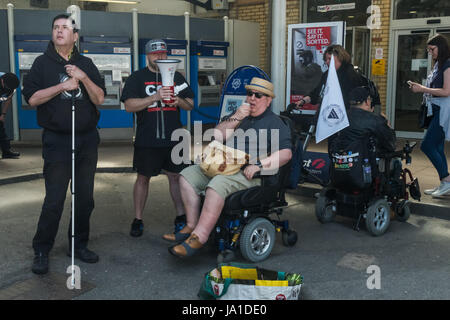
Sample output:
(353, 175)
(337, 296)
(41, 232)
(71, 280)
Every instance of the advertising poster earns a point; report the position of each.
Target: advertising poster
(306, 44)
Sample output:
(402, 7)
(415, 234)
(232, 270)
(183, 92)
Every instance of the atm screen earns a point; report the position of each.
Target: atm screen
(206, 80)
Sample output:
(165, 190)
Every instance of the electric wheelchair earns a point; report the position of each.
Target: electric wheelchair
(245, 221)
(389, 190)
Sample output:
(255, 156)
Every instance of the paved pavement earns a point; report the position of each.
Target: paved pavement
(116, 156)
(413, 256)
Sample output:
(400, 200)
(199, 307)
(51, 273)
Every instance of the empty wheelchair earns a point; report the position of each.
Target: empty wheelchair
(245, 220)
(390, 189)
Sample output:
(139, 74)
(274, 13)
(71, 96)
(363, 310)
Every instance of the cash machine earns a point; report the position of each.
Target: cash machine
(112, 57)
(208, 74)
(28, 48)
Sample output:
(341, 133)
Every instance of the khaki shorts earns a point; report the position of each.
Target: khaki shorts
(223, 185)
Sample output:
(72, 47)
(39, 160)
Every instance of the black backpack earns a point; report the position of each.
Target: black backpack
(373, 91)
(349, 161)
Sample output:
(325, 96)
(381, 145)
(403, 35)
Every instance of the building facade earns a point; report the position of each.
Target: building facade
(387, 40)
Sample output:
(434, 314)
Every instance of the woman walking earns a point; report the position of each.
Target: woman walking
(437, 98)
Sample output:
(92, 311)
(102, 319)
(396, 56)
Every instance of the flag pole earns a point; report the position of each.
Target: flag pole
(73, 188)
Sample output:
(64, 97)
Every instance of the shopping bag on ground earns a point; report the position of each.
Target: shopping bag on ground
(232, 281)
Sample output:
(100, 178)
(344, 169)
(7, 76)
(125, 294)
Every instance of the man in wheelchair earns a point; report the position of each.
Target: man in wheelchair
(250, 119)
(359, 179)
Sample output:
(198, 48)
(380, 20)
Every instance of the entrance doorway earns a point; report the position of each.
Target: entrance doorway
(411, 62)
(357, 43)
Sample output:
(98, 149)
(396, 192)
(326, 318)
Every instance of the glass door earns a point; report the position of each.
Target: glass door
(360, 52)
(411, 63)
(444, 32)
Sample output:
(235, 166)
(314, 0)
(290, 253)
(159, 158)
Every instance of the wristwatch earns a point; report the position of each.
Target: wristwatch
(259, 164)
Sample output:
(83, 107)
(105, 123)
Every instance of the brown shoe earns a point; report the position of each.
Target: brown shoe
(178, 237)
(187, 248)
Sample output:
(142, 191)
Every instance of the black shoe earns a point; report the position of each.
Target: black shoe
(10, 154)
(85, 255)
(137, 228)
(40, 263)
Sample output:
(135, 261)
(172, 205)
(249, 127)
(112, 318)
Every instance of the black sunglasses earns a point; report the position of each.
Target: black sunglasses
(258, 95)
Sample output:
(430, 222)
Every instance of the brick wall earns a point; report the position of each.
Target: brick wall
(256, 11)
(260, 11)
(380, 39)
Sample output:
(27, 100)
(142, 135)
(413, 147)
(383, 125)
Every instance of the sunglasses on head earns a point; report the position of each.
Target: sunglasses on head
(258, 95)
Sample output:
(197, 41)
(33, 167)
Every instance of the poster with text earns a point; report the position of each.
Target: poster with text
(306, 44)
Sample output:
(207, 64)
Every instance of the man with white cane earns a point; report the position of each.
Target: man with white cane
(58, 77)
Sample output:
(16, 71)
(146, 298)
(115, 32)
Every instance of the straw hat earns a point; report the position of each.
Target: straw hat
(261, 85)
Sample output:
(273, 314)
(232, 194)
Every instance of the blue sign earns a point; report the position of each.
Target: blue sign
(234, 93)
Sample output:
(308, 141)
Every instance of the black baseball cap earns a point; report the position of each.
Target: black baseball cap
(358, 95)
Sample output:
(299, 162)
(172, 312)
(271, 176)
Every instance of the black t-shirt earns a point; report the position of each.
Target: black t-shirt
(438, 81)
(261, 129)
(151, 121)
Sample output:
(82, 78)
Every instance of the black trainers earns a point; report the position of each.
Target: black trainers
(85, 255)
(179, 223)
(10, 154)
(40, 263)
(137, 228)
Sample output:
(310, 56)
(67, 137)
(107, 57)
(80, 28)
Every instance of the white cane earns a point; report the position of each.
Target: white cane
(73, 188)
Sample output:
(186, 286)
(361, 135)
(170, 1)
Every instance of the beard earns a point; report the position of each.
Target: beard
(153, 66)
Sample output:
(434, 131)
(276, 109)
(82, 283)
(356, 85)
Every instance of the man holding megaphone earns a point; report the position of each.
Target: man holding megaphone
(157, 110)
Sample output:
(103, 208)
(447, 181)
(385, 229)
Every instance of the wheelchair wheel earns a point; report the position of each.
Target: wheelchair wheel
(325, 208)
(289, 238)
(403, 211)
(378, 217)
(257, 240)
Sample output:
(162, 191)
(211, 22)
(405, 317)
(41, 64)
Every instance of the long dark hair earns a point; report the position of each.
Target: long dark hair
(443, 48)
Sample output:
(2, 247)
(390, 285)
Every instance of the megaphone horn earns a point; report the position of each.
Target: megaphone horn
(167, 67)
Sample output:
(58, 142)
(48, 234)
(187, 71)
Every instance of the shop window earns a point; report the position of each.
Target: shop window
(414, 9)
(354, 13)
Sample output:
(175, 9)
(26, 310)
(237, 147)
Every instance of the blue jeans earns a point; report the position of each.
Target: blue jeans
(433, 145)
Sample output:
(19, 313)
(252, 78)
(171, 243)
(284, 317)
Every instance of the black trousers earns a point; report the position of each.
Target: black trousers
(57, 175)
(4, 141)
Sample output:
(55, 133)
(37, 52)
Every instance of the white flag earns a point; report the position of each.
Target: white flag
(332, 117)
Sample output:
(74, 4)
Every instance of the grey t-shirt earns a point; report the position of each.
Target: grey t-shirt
(261, 136)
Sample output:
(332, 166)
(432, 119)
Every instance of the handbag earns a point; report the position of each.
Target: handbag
(234, 281)
(220, 159)
(424, 120)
